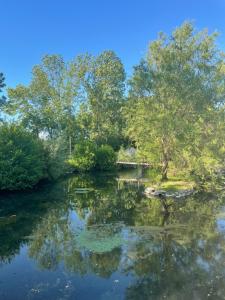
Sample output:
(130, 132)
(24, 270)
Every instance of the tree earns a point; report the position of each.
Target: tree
(39, 105)
(49, 103)
(105, 86)
(175, 97)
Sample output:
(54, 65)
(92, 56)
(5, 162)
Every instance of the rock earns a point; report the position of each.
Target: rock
(169, 195)
(150, 191)
(160, 193)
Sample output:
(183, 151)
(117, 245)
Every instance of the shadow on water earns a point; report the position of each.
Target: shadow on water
(87, 237)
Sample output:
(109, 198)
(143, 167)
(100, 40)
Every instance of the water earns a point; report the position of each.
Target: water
(90, 237)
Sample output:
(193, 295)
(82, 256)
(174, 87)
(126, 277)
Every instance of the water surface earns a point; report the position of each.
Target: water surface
(92, 237)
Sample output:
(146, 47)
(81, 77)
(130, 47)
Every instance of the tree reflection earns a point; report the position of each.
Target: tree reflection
(170, 248)
(176, 271)
(21, 212)
(178, 262)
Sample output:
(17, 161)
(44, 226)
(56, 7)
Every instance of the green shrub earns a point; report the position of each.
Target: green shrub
(87, 156)
(83, 157)
(105, 158)
(21, 158)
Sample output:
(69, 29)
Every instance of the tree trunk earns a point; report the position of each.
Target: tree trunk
(165, 169)
(165, 159)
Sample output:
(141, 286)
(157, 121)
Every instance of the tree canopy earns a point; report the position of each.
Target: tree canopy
(175, 99)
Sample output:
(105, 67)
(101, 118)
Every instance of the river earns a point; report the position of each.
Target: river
(92, 237)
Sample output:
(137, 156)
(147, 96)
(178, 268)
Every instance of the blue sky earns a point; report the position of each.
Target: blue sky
(30, 29)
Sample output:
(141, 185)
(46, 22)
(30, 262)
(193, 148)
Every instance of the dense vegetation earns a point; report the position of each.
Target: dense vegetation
(22, 161)
(176, 105)
(172, 113)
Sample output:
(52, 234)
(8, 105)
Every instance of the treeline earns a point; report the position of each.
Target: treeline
(81, 114)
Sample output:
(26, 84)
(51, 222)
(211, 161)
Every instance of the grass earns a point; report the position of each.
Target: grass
(174, 182)
(176, 185)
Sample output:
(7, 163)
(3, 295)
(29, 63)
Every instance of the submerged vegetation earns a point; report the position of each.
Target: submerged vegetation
(79, 115)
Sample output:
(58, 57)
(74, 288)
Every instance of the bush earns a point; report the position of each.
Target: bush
(105, 158)
(21, 158)
(87, 156)
(83, 157)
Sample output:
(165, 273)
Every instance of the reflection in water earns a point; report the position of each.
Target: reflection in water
(87, 237)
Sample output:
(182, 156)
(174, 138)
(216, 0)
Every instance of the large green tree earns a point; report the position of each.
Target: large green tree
(48, 104)
(105, 87)
(176, 95)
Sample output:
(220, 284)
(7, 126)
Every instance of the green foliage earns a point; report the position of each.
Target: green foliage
(173, 112)
(83, 157)
(56, 157)
(85, 94)
(105, 158)
(88, 156)
(173, 115)
(49, 103)
(105, 86)
(21, 159)
(127, 154)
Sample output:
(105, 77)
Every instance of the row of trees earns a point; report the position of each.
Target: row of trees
(171, 110)
(81, 99)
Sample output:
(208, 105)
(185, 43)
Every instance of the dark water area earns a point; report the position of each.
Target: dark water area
(94, 237)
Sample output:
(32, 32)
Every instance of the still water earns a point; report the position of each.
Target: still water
(92, 237)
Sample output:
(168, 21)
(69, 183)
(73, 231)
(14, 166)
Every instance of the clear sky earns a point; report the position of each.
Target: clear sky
(32, 28)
